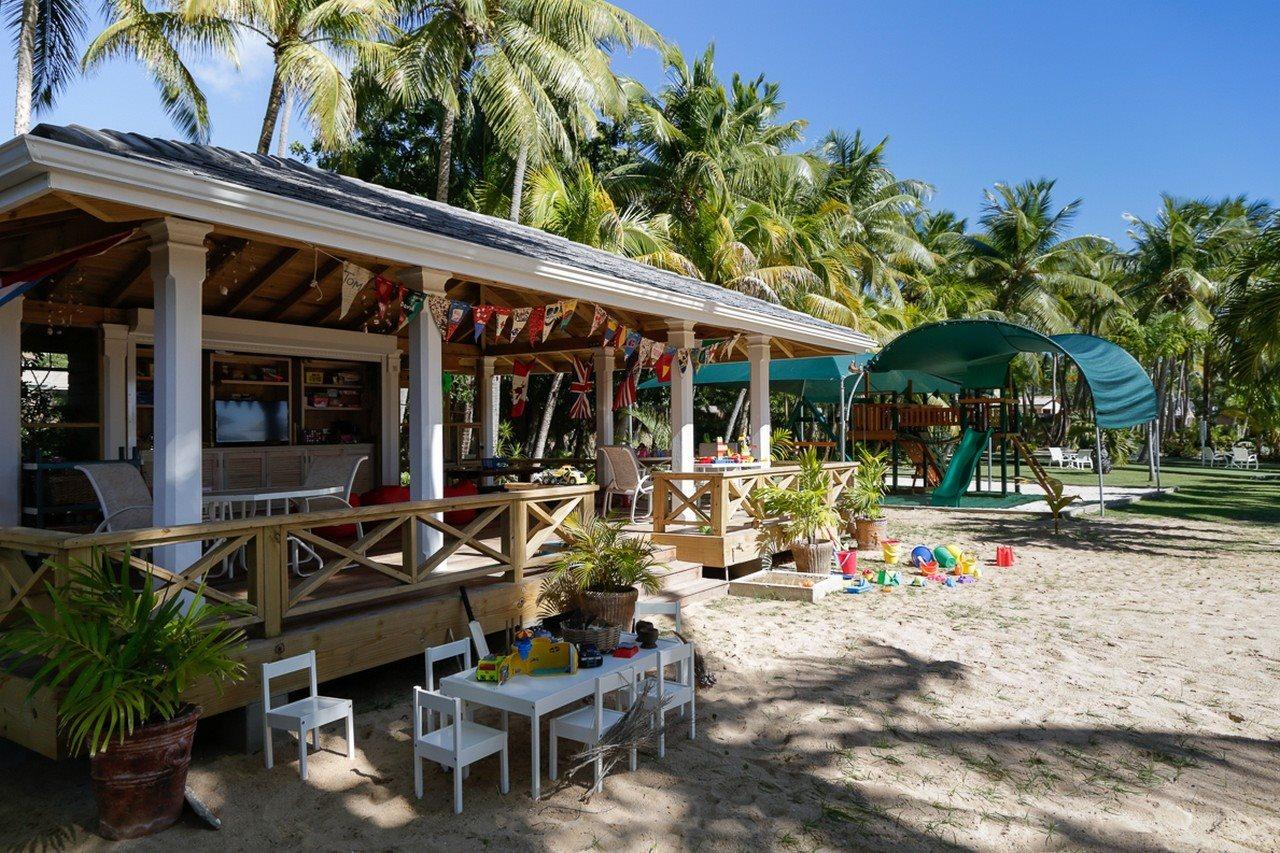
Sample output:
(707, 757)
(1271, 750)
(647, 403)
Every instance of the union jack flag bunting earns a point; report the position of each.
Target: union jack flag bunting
(581, 388)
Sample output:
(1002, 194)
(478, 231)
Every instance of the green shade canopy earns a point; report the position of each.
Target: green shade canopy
(816, 378)
(975, 354)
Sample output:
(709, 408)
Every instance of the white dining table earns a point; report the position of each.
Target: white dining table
(222, 504)
(727, 467)
(535, 696)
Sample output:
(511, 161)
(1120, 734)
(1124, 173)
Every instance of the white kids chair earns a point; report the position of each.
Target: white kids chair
(303, 715)
(456, 745)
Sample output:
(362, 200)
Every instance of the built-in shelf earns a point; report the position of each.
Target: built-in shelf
(274, 382)
(335, 408)
(330, 385)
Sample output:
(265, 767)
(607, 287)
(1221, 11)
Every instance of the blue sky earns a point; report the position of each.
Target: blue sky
(1117, 101)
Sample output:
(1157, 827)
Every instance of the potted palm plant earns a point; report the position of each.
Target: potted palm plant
(801, 517)
(862, 501)
(604, 568)
(121, 657)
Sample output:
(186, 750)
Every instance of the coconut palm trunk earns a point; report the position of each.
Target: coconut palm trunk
(517, 183)
(544, 425)
(273, 111)
(26, 66)
(733, 417)
(282, 142)
(445, 166)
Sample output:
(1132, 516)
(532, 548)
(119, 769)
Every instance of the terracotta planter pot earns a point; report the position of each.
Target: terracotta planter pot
(140, 784)
(869, 532)
(615, 607)
(815, 558)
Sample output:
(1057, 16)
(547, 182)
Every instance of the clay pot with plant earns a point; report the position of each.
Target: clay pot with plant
(800, 517)
(862, 502)
(119, 658)
(602, 570)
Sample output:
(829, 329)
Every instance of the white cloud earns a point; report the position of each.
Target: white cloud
(218, 75)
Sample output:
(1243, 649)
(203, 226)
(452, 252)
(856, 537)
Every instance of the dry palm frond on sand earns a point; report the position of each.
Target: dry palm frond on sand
(639, 726)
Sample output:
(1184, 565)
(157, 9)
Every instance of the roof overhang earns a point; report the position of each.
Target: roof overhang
(31, 166)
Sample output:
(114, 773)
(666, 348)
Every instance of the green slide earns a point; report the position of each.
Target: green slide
(960, 472)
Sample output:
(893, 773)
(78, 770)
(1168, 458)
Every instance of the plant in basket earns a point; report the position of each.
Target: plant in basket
(801, 517)
(120, 654)
(603, 568)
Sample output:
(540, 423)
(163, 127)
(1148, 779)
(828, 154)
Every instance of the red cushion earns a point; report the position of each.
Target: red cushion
(385, 495)
(459, 490)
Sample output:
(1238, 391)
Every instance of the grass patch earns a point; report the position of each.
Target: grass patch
(1204, 494)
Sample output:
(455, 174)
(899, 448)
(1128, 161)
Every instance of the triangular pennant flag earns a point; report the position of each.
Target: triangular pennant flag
(662, 367)
(567, 307)
(439, 308)
(682, 359)
(611, 329)
(354, 278)
(480, 315)
(519, 317)
(646, 351)
(625, 394)
(550, 316)
(519, 386)
(630, 344)
(598, 319)
(536, 320)
(411, 302)
(581, 388)
(620, 338)
(502, 315)
(385, 291)
(458, 311)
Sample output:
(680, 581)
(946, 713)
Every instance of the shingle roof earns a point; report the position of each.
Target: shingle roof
(291, 179)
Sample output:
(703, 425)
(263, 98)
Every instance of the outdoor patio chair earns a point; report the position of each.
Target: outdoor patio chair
(669, 695)
(122, 495)
(1243, 457)
(303, 715)
(447, 651)
(1077, 460)
(659, 608)
(325, 471)
(628, 478)
(457, 745)
(1057, 457)
(587, 725)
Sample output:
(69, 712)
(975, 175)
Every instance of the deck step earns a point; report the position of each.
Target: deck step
(691, 589)
(676, 571)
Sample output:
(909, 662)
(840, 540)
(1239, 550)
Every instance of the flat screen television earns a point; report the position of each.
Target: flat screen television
(251, 421)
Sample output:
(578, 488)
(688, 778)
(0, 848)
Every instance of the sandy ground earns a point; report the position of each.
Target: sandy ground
(1116, 689)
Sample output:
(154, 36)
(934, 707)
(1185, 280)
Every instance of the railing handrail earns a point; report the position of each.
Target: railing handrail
(34, 537)
(745, 474)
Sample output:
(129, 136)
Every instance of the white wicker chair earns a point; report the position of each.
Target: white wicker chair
(628, 477)
(123, 495)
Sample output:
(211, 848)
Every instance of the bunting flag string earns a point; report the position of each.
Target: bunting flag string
(480, 316)
(439, 308)
(581, 387)
(354, 278)
(598, 319)
(411, 302)
(519, 318)
(519, 386)
(567, 309)
(550, 316)
(458, 311)
(503, 315)
(537, 319)
(625, 394)
(629, 346)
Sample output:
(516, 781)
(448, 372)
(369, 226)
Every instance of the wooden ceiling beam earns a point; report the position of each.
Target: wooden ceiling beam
(286, 302)
(117, 290)
(235, 301)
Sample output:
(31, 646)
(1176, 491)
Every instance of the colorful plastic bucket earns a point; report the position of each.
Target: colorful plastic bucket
(892, 551)
(848, 562)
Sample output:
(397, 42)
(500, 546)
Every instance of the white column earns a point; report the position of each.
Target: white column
(604, 396)
(389, 408)
(115, 390)
(131, 396)
(680, 334)
(758, 357)
(177, 274)
(11, 413)
(487, 397)
(426, 404)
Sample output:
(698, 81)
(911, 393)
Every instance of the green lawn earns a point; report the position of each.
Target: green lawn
(1204, 494)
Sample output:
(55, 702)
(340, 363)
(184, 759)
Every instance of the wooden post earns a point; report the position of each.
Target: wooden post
(660, 503)
(274, 568)
(410, 551)
(719, 504)
(518, 535)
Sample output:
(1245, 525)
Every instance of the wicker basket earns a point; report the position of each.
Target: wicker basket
(605, 639)
(616, 607)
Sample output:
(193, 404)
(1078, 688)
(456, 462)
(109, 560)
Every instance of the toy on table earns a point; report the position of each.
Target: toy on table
(626, 650)
(589, 656)
(534, 656)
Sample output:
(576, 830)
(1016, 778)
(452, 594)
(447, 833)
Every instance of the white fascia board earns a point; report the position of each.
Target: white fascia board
(113, 178)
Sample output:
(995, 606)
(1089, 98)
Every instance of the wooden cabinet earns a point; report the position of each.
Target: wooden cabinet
(339, 402)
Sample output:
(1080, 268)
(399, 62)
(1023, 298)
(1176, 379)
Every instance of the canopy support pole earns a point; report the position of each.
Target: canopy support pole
(844, 424)
(1155, 450)
(1097, 430)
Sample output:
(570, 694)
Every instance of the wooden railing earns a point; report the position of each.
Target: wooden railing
(267, 547)
(713, 499)
(878, 417)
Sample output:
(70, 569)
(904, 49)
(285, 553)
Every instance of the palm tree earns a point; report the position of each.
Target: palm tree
(1025, 259)
(538, 70)
(310, 42)
(48, 34)
(1249, 326)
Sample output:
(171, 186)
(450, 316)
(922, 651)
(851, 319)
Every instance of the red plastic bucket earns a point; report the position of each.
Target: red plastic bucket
(848, 562)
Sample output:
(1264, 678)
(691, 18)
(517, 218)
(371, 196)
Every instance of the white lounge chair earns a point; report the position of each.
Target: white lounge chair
(628, 478)
(1243, 457)
(123, 495)
(1057, 457)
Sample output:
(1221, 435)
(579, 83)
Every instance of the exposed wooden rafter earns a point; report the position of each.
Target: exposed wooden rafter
(287, 301)
(242, 294)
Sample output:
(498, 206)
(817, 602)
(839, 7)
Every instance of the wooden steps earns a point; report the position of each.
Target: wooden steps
(684, 582)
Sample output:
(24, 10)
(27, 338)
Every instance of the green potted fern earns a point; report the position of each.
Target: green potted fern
(801, 518)
(604, 567)
(120, 657)
(862, 502)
